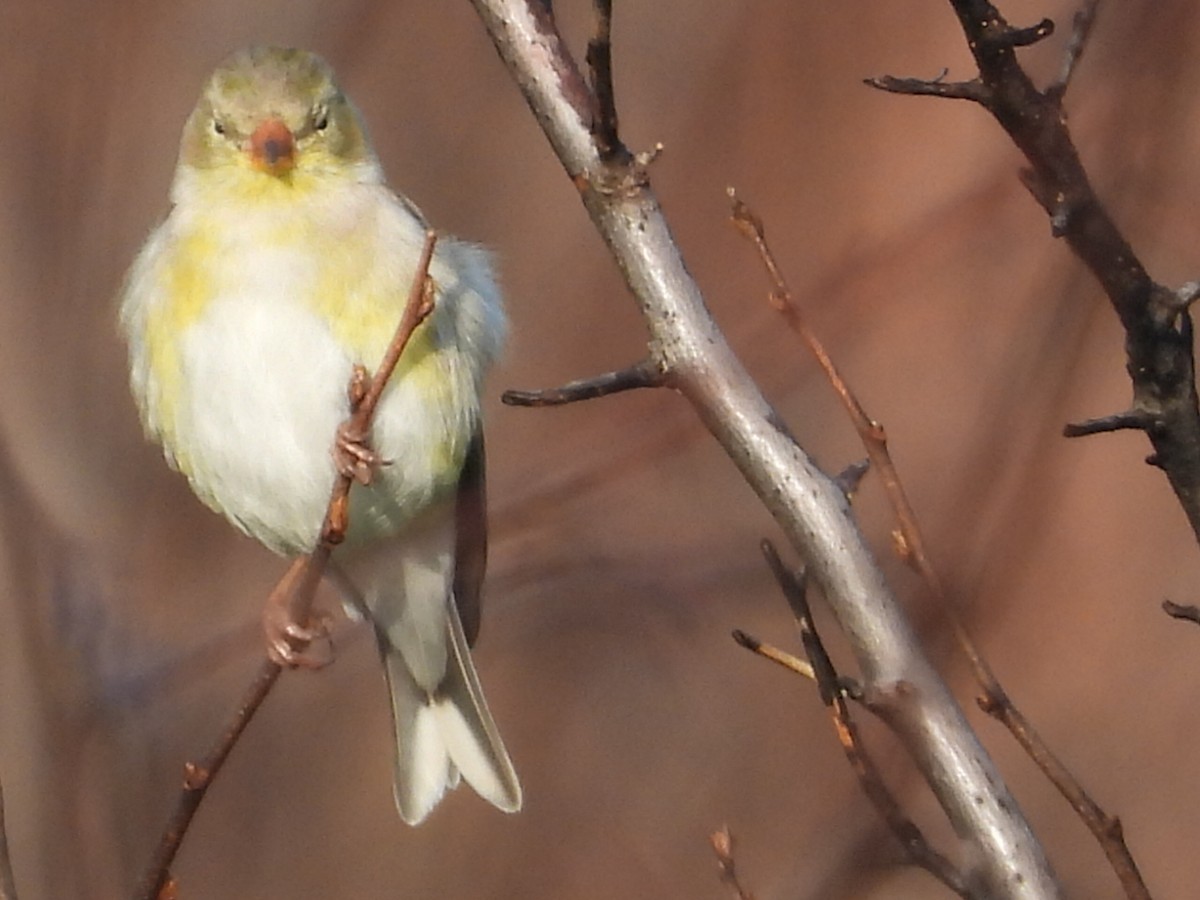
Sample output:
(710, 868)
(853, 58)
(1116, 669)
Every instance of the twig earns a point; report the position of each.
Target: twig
(8, 884)
(1188, 612)
(919, 850)
(951, 90)
(774, 654)
(196, 780)
(723, 844)
(1123, 421)
(1081, 30)
(296, 589)
(599, 60)
(641, 375)
(810, 509)
(911, 544)
(1106, 829)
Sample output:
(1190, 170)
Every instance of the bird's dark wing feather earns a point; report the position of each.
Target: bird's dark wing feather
(471, 539)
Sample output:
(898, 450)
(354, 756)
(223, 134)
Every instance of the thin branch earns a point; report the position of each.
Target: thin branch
(1106, 829)
(915, 845)
(1131, 419)
(809, 508)
(780, 657)
(723, 845)
(599, 60)
(197, 777)
(1188, 612)
(1081, 30)
(641, 375)
(293, 594)
(1024, 37)
(911, 544)
(952, 90)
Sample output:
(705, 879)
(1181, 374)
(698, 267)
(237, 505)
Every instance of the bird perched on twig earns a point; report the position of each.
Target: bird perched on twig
(284, 263)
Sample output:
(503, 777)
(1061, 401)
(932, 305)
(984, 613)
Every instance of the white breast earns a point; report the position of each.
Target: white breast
(264, 384)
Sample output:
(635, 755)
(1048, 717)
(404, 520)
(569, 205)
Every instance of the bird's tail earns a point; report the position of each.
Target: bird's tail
(445, 733)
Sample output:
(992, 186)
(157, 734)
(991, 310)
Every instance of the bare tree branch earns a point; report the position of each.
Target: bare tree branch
(811, 510)
(642, 375)
(1158, 329)
(1158, 326)
(911, 545)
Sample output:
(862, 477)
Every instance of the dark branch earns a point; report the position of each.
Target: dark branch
(599, 60)
(645, 374)
(1159, 334)
(1188, 612)
(954, 90)
(1024, 37)
(1133, 419)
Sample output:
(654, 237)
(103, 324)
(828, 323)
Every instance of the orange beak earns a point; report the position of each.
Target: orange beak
(273, 147)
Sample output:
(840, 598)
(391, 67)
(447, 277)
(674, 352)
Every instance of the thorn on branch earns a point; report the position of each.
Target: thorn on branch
(1081, 29)
(1024, 37)
(954, 90)
(1131, 419)
(1188, 612)
(645, 374)
(850, 477)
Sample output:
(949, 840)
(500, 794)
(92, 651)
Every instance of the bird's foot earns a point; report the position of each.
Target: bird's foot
(291, 643)
(353, 456)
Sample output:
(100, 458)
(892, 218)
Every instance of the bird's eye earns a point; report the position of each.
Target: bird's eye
(218, 128)
(320, 120)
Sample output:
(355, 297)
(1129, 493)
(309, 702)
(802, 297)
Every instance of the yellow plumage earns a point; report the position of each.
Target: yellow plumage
(285, 262)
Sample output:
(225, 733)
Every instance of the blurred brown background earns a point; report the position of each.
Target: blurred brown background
(624, 543)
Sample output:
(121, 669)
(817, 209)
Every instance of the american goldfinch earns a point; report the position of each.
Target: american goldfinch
(285, 262)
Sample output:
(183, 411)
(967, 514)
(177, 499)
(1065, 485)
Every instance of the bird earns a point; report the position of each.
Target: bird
(281, 270)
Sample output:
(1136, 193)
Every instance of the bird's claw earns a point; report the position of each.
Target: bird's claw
(353, 456)
(294, 645)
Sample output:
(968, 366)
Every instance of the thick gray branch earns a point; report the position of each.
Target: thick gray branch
(813, 512)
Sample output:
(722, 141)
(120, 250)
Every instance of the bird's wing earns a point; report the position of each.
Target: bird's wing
(471, 539)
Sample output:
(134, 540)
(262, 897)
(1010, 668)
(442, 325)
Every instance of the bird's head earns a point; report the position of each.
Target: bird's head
(277, 114)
